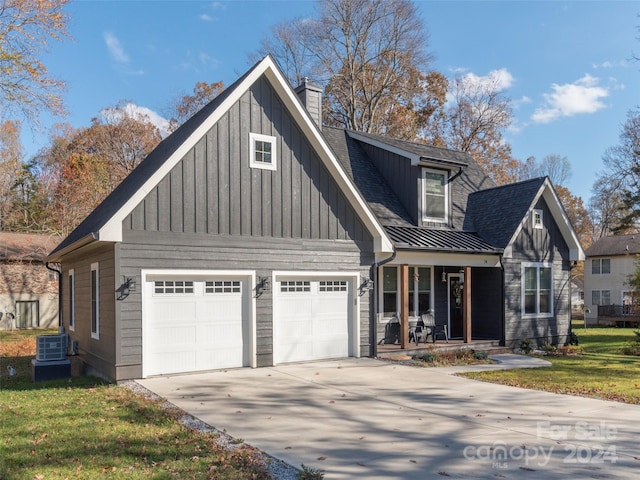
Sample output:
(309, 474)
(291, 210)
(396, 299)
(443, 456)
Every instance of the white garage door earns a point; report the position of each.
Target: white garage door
(193, 324)
(312, 319)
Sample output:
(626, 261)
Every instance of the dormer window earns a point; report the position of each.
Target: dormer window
(435, 193)
(262, 151)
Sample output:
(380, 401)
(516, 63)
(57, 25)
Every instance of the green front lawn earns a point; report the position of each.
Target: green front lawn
(601, 371)
(84, 428)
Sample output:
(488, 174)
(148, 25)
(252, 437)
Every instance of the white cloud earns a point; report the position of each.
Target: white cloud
(500, 79)
(136, 111)
(206, 18)
(115, 48)
(582, 96)
(610, 64)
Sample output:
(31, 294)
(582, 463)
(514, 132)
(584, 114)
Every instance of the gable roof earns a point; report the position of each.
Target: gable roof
(499, 214)
(25, 246)
(615, 245)
(105, 222)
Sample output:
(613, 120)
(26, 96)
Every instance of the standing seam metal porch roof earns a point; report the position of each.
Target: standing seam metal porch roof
(439, 240)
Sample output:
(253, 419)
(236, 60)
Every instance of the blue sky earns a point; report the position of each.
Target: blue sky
(565, 64)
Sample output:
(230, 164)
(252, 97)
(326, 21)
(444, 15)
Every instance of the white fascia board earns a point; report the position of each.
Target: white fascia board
(416, 258)
(112, 230)
(415, 159)
(560, 217)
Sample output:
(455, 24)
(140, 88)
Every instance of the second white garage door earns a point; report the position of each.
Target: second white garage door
(313, 318)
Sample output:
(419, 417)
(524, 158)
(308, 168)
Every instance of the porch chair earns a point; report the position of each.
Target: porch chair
(421, 331)
(435, 330)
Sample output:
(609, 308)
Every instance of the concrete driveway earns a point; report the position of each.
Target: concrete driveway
(364, 418)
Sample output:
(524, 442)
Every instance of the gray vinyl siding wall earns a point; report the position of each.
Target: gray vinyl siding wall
(213, 212)
(144, 251)
(538, 245)
(98, 355)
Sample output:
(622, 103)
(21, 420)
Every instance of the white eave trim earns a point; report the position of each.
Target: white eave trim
(560, 217)
(112, 230)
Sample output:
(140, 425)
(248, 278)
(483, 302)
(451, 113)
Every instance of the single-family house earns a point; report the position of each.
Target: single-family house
(610, 262)
(254, 236)
(28, 290)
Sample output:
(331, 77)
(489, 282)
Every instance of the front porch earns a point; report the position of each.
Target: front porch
(395, 349)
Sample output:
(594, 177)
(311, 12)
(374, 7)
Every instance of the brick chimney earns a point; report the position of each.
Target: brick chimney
(311, 97)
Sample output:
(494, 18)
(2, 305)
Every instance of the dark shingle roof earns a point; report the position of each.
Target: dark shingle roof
(384, 203)
(615, 245)
(497, 212)
(439, 240)
(136, 179)
(424, 151)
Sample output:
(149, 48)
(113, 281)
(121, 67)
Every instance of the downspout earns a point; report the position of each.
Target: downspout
(374, 275)
(59, 272)
(504, 310)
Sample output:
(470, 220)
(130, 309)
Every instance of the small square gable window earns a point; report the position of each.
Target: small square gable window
(262, 151)
(537, 218)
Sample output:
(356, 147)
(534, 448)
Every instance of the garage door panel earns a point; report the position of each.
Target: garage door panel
(202, 327)
(312, 319)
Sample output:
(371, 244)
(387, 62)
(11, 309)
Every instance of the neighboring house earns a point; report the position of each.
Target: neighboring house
(28, 290)
(252, 236)
(609, 263)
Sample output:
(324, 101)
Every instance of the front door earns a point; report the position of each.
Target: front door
(27, 314)
(455, 306)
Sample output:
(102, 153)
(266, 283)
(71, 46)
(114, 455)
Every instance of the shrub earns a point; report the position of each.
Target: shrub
(308, 473)
(549, 349)
(526, 346)
(478, 355)
(573, 339)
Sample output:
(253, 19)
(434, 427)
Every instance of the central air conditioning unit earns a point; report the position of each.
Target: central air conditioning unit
(51, 348)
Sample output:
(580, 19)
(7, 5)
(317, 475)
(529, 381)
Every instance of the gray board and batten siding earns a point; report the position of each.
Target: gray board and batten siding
(527, 247)
(214, 212)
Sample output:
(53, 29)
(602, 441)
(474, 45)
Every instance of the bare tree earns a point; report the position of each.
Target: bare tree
(184, 107)
(369, 54)
(554, 166)
(473, 123)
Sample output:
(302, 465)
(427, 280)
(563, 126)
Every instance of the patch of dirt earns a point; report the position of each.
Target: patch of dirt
(25, 347)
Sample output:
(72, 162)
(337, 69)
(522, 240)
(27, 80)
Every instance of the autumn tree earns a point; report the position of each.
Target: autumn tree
(27, 28)
(370, 56)
(80, 167)
(184, 107)
(473, 121)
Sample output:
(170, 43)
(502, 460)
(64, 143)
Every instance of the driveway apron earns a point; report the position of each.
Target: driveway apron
(364, 418)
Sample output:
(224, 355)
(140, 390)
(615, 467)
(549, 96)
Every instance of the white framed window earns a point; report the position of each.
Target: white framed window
(537, 218)
(435, 195)
(72, 299)
(537, 289)
(390, 295)
(601, 297)
(222, 286)
(333, 286)
(419, 290)
(600, 266)
(95, 300)
(292, 286)
(172, 287)
(262, 151)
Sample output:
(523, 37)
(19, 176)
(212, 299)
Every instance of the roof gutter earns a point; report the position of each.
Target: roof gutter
(57, 255)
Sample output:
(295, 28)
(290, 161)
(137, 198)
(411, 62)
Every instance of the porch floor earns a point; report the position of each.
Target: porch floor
(393, 349)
